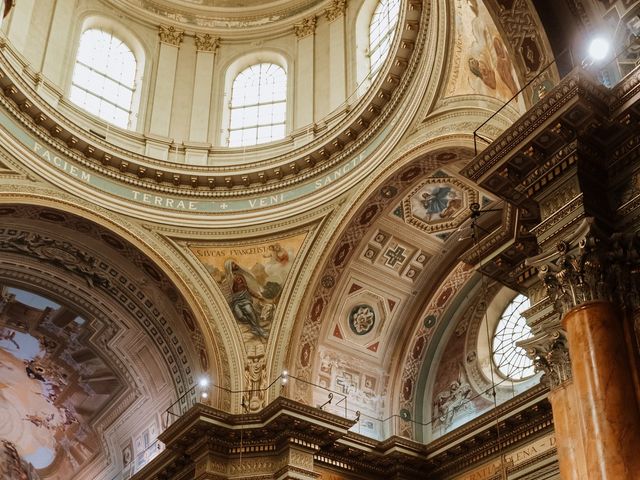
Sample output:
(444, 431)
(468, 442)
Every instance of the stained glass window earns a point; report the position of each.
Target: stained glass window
(381, 30)
(103, 80)
(510, 360)
(258, 105)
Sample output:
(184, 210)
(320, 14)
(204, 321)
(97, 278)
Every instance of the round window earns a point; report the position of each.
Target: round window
(510, 360)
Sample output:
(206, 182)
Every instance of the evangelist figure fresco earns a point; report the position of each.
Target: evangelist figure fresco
(251, 277)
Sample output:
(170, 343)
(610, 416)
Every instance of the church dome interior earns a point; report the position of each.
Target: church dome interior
(319, 239)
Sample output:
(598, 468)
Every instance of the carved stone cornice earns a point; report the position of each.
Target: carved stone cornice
(171, 35)
(207, 42)
(550, 355)
(306, 27)
(335, 10)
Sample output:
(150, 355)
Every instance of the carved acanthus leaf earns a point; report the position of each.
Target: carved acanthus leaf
(170, 35)
(306, 27)
(592, 266)
(207, 42)
(550, 355)
(335, 10)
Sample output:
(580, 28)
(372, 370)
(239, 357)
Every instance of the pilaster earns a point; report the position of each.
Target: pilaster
(207, 47)
(335, 14)
(304, 96)
(170, 40)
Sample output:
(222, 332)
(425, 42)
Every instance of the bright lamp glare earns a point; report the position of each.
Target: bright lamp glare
(598, 49)
(205, 394)
(204, 382)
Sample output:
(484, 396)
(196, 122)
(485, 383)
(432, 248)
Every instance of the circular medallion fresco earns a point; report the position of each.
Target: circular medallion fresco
(362, 319)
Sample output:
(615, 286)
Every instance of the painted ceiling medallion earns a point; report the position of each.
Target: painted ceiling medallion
(438, 204)
(362, 319)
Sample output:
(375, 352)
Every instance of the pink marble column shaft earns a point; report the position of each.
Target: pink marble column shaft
(605, 392)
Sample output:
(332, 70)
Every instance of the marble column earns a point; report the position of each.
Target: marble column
(591, 284)
(568, 430)
(605, 390)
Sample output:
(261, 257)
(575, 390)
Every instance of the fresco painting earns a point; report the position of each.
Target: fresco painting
(482, 64)
(436, 202)
(252, 278)
(51, 387)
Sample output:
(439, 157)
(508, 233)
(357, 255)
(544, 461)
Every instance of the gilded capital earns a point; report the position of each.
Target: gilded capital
(306, 27)
(170, 35)
(207, 42)
(335, 10)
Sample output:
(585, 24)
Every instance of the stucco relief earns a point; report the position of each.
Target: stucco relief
(357, 385)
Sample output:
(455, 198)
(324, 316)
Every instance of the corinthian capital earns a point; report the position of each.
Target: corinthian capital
(550, 355)
(306, 27)
(207, 42)
(335, 10)
(592, 266)
(170, 35)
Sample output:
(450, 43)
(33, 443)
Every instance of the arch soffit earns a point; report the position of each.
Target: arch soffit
(204, 353)
(373, 199)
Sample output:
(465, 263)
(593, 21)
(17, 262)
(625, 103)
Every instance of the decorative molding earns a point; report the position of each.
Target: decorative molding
(207, 42)
(306, 27)
(171, 35)
(335, 10)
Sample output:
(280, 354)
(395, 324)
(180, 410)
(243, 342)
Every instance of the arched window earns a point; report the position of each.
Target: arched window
(104, 77)
(381, 31)
(510, 360)
(258, 105)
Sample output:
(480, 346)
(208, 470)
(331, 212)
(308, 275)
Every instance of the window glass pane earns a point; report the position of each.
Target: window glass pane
(381, 32)
(258, 98)
(510, 360)
(105, 71)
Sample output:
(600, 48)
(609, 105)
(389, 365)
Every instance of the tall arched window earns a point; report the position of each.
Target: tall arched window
(510, 360)
(258, 105)
(104, 76)
(381, 31)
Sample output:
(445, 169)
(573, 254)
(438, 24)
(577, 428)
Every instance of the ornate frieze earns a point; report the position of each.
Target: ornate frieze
(335, 10)
(306, 27)
(59, 253)
(207, 42)
(171, 35)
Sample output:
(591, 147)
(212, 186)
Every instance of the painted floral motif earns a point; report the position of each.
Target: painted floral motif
(362, 319)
